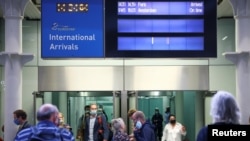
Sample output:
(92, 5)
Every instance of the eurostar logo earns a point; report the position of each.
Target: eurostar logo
(58, 27)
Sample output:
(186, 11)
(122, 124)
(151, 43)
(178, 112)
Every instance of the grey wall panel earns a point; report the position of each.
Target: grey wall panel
(167, 78)
(80, 78)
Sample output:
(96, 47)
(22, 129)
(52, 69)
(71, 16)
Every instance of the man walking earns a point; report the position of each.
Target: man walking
(96, 126)
(143, 130)
(157, 120)
(47, 127)
(20, 119)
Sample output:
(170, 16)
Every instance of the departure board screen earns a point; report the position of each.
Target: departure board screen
(160, 28)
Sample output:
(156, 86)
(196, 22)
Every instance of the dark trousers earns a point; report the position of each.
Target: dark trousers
(158, 132)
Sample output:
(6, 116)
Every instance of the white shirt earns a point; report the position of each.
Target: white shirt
(91, 128)
(171, 133)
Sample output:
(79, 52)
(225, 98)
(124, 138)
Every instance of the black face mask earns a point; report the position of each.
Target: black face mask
(172, 121)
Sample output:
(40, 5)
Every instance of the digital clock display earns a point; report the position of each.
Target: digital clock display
(72, 7)
(161, 29)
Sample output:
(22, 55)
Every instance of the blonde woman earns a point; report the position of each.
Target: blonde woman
(61, 120)
(62, 123)
(119, 129)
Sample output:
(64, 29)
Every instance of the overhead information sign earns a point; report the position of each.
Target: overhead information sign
(72, 29)
(160, 28)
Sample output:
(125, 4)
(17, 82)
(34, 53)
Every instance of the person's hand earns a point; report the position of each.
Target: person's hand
(134, 129)
(183, 129)
(131, 139)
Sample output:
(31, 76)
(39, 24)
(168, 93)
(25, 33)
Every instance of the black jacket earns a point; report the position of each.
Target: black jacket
(23, 126)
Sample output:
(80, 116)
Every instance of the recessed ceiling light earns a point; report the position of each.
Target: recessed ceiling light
(224, 38)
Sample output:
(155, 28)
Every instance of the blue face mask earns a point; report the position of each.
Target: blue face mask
(16, 121)
(138, 125)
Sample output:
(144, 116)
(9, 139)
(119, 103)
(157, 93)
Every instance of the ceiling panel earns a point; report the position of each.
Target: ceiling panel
(224, 9)
(31, 12)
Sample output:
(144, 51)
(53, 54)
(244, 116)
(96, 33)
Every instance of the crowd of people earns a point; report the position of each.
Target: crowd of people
(94, 125)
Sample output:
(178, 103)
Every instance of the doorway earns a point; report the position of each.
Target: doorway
(72, 104)
(188, 106)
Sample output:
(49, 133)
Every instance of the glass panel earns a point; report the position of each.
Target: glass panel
(186, 105)
(72, 104)
(149, 100)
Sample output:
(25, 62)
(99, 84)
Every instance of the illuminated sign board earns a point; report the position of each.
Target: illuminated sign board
(72, 29)
(162, 28)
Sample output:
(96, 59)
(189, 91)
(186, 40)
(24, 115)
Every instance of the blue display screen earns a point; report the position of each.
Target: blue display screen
(162, 28)
(160, 8)
(160, 43)
(72, 29)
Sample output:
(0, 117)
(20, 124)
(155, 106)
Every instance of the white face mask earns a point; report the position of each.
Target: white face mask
(61, 121)
(93, 112)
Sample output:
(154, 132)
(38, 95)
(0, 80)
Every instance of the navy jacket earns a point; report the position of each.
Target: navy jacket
(97, 127)
(146, 133)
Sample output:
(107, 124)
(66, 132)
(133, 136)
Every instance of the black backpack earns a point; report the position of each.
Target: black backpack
(38, 135)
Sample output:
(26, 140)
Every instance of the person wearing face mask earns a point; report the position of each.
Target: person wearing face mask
(166, 115)
(20, 119)
(102, 110)
(96, 126)
(46, 128)
(157, 121)
(173, 131)
(119, 129)
(143, 130)
(81, 123)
